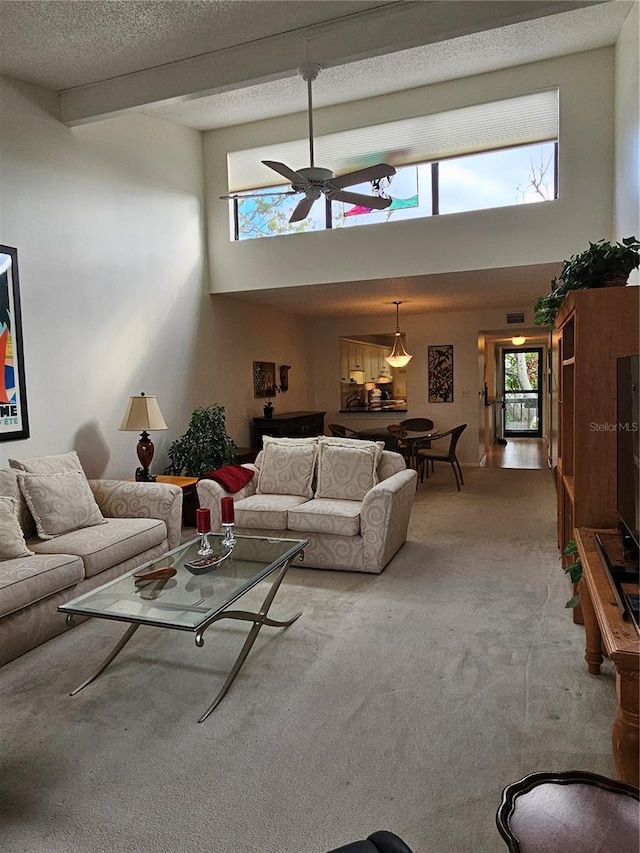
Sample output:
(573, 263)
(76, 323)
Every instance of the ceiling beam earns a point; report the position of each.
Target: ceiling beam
(398, 26)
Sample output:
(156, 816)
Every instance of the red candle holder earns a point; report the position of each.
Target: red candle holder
(203, 520)
(226, 511)
(203, 526)
(228, 519)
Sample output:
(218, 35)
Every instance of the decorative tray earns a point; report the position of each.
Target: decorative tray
(205, 564)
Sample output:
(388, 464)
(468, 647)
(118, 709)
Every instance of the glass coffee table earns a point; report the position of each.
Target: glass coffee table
(188, 597)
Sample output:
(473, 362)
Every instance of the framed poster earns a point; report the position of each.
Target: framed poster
(264, 378)
(14, 423)
(440, 363)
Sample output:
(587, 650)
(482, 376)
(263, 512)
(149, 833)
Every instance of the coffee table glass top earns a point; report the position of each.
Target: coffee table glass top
(192, 596)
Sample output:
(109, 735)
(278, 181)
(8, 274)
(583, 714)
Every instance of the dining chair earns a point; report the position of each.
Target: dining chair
(340, 431)
(431, 454)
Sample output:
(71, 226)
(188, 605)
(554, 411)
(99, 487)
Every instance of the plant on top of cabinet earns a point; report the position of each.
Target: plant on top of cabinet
(602, 264)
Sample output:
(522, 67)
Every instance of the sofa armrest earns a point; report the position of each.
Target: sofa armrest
(122, 499)
(384, 517)
(210, 493)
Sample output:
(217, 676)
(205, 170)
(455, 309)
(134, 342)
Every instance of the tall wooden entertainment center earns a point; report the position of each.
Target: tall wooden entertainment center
(593, 328)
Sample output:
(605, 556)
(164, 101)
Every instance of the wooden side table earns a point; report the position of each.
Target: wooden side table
(569, 812)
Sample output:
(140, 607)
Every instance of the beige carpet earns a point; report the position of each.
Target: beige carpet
(404, 701)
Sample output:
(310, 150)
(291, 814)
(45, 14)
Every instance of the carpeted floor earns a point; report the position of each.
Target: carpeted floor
(404, 701)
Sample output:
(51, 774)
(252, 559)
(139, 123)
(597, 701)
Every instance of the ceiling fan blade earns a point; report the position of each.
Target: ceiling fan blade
(289, 174)
(371, 173)
(304, 206)
(374, 202)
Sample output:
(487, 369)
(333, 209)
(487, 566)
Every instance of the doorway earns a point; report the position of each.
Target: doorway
(522, 392)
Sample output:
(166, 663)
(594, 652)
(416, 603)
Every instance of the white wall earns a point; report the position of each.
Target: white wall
(480, 240)
(627, 130)
(107, 220)
(243, 333)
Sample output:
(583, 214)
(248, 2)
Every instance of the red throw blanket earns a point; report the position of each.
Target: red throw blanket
(232, 478)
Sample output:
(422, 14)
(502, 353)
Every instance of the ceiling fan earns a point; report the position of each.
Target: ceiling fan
(314, 180)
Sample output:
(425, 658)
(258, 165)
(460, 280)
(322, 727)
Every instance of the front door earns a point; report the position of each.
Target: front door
(522, 392)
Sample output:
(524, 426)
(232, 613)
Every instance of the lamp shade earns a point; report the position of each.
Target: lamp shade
(142, 414)
(518, 340)
(398, 357)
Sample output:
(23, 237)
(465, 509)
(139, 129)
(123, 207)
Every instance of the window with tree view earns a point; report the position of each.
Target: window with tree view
(525, 174)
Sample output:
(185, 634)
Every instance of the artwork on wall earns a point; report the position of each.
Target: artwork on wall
(440, 364)
(14, 422)
(264, 378)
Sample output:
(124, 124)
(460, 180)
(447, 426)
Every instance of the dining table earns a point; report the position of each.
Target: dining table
(401, 441)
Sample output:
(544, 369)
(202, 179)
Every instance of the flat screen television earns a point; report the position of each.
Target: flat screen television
(628, 454)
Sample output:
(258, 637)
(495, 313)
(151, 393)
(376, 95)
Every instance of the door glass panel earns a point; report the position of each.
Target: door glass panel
(522, 399)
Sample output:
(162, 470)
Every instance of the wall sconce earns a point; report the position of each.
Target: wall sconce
(518, 340)
(398, 357)
(143, 413)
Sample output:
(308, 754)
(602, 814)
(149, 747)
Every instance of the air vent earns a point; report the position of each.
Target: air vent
(517, 317)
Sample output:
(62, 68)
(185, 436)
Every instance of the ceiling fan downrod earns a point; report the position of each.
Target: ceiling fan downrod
(309, 71)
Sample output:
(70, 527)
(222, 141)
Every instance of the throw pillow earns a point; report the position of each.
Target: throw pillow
(55, 464)
(231, 477)
(59, 503)
(12, 542)
(287, 469)
(351, 442)
(347, 472)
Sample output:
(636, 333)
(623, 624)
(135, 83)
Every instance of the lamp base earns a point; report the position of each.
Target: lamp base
(145, 455)
(143, 475)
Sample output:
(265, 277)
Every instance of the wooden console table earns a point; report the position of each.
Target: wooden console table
(604, 624)
(287, 425)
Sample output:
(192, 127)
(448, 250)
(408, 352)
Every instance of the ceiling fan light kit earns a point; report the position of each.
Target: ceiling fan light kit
(398, 357)
(314, 181)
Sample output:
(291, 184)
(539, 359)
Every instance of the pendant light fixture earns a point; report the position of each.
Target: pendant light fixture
(398, 357)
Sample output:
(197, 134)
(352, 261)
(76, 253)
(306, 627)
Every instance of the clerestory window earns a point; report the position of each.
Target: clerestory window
(486, 156)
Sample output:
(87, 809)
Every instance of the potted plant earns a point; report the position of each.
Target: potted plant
(204, 447)
(268, 409)
(574, 570)
(603, 264)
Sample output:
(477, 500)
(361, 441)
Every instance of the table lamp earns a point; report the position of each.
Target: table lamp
(143, 413)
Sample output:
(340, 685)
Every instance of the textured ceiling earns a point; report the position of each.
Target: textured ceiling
(476, 53)
(67, 43)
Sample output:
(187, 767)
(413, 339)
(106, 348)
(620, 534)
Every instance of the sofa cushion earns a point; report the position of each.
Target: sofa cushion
(59, 502)
(287, 469)
(55, 464)
(265, 511)
(10, 488)
(25, 580)
(12, 542)
(326, 515)
(108, 544)
(347, 472)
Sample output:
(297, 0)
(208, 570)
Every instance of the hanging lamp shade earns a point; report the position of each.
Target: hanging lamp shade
(398, 357)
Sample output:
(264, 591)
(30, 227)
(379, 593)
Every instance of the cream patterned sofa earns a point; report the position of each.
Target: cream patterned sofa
(61, 535)
(351, 499)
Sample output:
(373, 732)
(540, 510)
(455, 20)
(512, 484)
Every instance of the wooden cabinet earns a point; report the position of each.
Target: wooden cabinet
(288, 425)
(593, 329)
